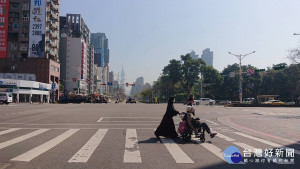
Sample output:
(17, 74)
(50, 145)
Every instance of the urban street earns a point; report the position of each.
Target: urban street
(121, 135)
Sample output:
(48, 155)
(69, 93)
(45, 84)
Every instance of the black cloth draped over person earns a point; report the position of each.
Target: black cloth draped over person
(167, 127)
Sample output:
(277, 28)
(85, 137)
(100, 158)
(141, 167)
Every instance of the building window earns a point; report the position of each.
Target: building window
(25, 27)
(24, 35)
(14, 16)
(14, 57)
(15, 26)
(14, 47)
(24, 56)
(25, 6)
(14, 5)
(25, 17)
(23, 47)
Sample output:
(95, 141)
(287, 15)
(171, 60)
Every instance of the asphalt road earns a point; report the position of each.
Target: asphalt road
(121, 136)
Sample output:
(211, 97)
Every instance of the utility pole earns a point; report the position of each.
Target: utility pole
(241, 57)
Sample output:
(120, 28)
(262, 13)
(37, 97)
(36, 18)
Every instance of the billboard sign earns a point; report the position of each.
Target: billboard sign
(4, 5)
(37, 28)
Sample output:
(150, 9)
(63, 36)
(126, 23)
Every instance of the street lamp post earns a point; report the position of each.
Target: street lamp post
(296, 34)
(241, 57)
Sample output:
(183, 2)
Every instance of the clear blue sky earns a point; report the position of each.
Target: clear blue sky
(145, 34)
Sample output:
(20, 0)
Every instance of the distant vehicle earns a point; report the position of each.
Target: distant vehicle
(225, 102)
(5, 97)
(248, 100)
(205, 101)
(131, 100)
(273, 102)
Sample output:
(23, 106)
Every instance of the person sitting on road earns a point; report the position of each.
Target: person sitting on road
(193, 123)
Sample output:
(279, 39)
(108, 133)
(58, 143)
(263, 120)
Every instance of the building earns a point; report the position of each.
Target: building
(101, 57)
(91, 70)
(193, 55)
(138, 87)
(98, 79)
(26, 91)
(208, 57)
(31, 46)
(32, 39)
(75, 54)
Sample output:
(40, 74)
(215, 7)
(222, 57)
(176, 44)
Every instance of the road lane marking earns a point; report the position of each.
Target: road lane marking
(21, 138)
(225, 137)
(100, 120)
(9, 131)
(31, 154)
(212, 148)
(176, 152)
(132, 153)
(129, 121)
(212, 122)
(266, 142)
(131, 118)
(87, 150)
(69, 124)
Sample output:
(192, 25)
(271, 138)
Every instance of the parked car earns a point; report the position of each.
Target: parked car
(131, 100)
(205, 101)
(273, 102)
(5, 97)
(225, 102)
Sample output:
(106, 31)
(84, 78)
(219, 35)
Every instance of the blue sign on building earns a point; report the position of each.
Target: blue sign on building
(53, 86)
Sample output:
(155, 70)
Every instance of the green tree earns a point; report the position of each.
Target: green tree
(214, 82)
(191, 69)
(294, 55)
(61, 88)
(173, 72)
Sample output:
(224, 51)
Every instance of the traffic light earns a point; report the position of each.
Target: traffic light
(133, 84)
(126, 84)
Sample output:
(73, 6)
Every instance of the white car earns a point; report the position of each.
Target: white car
(205, 101)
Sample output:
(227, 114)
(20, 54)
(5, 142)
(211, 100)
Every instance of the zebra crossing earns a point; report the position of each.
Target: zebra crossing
(132, 150)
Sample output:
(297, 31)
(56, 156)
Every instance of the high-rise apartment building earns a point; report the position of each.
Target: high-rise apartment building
(139, 85)
(101, 57)
(75, 54)
(208, 57)
(193, 55)
(32, 40)
(29, 41)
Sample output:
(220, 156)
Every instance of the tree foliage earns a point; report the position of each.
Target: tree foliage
(294, 55)
(182, 79)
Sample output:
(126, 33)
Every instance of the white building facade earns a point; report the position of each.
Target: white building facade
(25, 91)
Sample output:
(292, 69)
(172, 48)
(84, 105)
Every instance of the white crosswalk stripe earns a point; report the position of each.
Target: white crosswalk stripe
(132, 152)
(22, 138)
(266, 142)
(176, 152)
(87, 150)
(9, 131)
(28, 156)
(212, 148)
